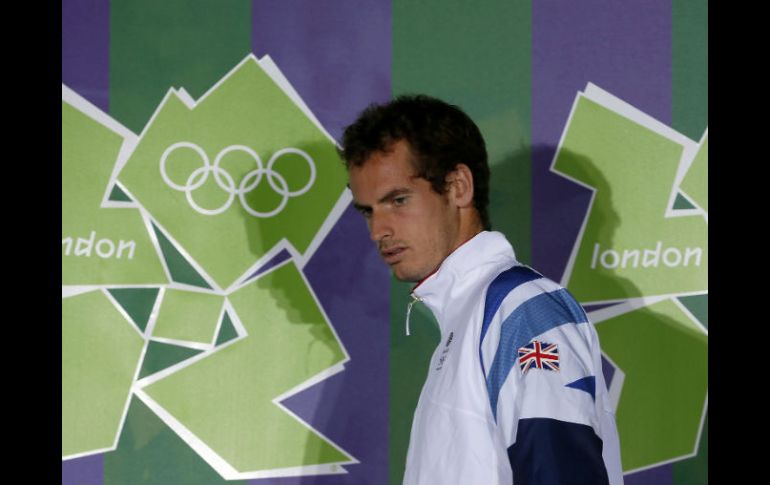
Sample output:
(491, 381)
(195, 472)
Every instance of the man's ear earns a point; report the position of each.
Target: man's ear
(460, 182)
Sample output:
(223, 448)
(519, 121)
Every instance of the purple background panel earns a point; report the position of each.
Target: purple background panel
(337, 55)
(85, 49)
(88, 470)
(277, 259)
(338, 58)
(623, 48)
(661, 475)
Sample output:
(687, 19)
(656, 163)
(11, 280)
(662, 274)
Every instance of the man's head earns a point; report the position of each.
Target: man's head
(419, 175)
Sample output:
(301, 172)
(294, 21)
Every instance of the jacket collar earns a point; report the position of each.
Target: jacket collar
(459, 272)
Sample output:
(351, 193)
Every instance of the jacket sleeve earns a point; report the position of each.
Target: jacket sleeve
(541, 361)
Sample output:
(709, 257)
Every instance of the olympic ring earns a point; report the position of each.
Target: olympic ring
(225, 181)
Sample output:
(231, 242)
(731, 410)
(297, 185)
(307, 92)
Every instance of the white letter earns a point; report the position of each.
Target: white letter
(692, 251)
(131, 245)
(596, 253)
(655, 256)
(676, 254)
(612, 253)
(109, 244)
(81, 251)
(68, 242)
(629, 254)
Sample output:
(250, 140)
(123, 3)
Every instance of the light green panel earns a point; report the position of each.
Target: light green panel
(188, 315)
(232, 215)
(99, 245)
(663, 355)
(100, 356)
(627, 216)
(226, 399)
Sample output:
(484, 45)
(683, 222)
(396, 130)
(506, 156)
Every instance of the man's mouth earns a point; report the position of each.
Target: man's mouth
(392, 255)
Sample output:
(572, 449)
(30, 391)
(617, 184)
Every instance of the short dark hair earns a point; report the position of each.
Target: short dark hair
(440, 135)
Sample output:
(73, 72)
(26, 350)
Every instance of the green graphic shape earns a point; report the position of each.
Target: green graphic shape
(118, 195)
(99, 245)
(246, 112)
(696, 182)
(694, 471)
(181, 270)
(188, 315)
(160, 356)
(698, 305)
(137, 302)
(100, 355)
(227, 331)
(682, 203)
(226, 399)
(663, 354)
(150, 453)
(629, 248)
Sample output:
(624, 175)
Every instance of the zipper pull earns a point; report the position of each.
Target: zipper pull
(409, 311)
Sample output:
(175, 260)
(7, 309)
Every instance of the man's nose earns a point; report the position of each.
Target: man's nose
(379, 226)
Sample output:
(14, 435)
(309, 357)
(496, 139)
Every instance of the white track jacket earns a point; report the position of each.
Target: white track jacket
(515, 391)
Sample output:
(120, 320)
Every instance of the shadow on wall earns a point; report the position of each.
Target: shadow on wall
(343, 407)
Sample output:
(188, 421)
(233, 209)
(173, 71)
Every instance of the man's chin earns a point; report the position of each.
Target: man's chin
(402, 275)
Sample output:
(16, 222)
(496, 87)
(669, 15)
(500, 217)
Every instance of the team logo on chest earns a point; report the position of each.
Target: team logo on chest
(539, 355)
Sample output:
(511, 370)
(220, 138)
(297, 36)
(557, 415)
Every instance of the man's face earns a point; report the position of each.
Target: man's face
(414, 227)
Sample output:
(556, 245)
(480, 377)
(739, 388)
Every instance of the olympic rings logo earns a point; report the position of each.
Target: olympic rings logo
(225, 181)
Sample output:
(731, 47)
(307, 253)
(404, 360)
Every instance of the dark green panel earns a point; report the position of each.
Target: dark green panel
(160, 356)
(477, 56)
(118, 195)
(694, 471)
(689, 67)
(150, 453)
(181, 271)
(227, 331)
(409, 360)
(137, 302)
(174, 43)
(682, 203)
(699, 306)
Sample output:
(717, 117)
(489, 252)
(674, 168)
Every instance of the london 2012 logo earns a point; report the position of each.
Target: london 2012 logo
(642, 253)
(195, 294)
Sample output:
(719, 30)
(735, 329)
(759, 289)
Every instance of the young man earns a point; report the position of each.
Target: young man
(515, 391)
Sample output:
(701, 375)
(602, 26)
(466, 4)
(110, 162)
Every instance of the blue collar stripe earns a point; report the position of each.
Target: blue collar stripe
(503, 284)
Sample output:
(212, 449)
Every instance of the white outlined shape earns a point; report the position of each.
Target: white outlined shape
(191, 344)
(271, 69)
(698, 209)
(689, 147)
(616, 105)
(137, 370)
(226, 470)
(604, 314)
(343, 201)
(95, 113)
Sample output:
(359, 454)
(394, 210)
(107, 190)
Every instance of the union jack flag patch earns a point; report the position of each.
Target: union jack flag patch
(539, 355)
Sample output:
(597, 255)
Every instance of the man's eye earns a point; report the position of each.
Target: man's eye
(366, 213)
(399, 201)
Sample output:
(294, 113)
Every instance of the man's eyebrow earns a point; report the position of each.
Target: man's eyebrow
(393, 193)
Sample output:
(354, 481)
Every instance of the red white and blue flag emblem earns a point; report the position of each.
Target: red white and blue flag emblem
(539, 355)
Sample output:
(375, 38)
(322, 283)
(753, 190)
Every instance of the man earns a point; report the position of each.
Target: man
(515, 392)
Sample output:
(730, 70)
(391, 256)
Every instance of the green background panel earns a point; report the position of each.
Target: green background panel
(96, 382)
(663, 355)
(188, 315)
(289, 341)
